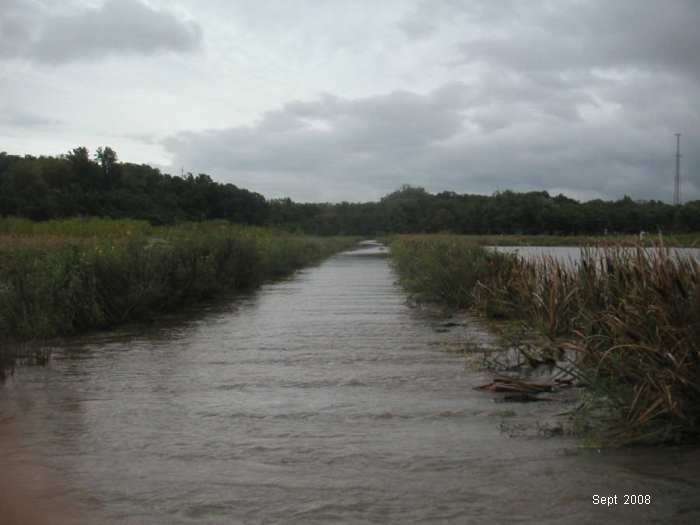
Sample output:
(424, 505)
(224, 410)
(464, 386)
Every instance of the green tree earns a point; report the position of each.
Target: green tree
(107, 158)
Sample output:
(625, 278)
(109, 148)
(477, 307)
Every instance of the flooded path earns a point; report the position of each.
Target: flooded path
(323, 398)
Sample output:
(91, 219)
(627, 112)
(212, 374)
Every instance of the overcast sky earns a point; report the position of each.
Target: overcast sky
(349, 99)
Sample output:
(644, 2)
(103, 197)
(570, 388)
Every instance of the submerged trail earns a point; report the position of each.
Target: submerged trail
(320, 398)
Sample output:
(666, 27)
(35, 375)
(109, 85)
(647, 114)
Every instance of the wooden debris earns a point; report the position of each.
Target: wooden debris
(523, 398)
(512, 385)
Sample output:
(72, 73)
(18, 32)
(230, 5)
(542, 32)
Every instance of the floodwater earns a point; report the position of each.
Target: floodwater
(323, 398)
(571, 255)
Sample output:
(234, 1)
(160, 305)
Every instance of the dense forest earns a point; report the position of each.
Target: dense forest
(75, 184)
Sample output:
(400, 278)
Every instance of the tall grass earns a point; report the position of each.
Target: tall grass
(629, 318)
(64, 277)
(77, 227)
(444, 268)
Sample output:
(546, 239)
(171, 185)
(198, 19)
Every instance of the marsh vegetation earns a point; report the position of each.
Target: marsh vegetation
(624, 321)
(65, 277)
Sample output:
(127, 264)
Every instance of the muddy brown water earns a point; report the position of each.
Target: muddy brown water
(323, 398)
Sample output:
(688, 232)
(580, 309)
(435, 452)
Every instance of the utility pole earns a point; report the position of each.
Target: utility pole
(677, 186)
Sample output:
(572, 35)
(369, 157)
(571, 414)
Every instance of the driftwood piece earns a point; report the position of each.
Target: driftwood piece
(512, 385)
(523, 398)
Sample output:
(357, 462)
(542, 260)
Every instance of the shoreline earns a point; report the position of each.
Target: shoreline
(50, 290)
(621, 323)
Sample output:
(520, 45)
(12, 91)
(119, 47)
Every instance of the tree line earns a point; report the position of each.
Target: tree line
(76, 184)
(413, 210)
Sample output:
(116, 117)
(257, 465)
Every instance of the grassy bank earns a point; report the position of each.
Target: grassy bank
(627, 320)
(65, 277)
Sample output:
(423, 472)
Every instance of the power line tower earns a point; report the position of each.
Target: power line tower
(677, 185)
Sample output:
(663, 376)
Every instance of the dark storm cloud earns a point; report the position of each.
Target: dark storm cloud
(570, 36)
(445, 140)
(580, 97)
(33, 32)
(328, 143)
(473, 138)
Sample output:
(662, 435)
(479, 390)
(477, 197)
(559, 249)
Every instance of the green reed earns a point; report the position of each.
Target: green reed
(65, 277)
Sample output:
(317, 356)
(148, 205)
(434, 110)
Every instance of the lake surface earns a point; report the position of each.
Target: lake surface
(323, 398)
(571, 255)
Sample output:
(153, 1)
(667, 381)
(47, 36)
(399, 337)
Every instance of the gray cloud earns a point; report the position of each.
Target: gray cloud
(566, 37)
(570, 35)
(32, 32)
(580, 96)
(15, 24)
(495, 134)
(421, 23)
(24, 119)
